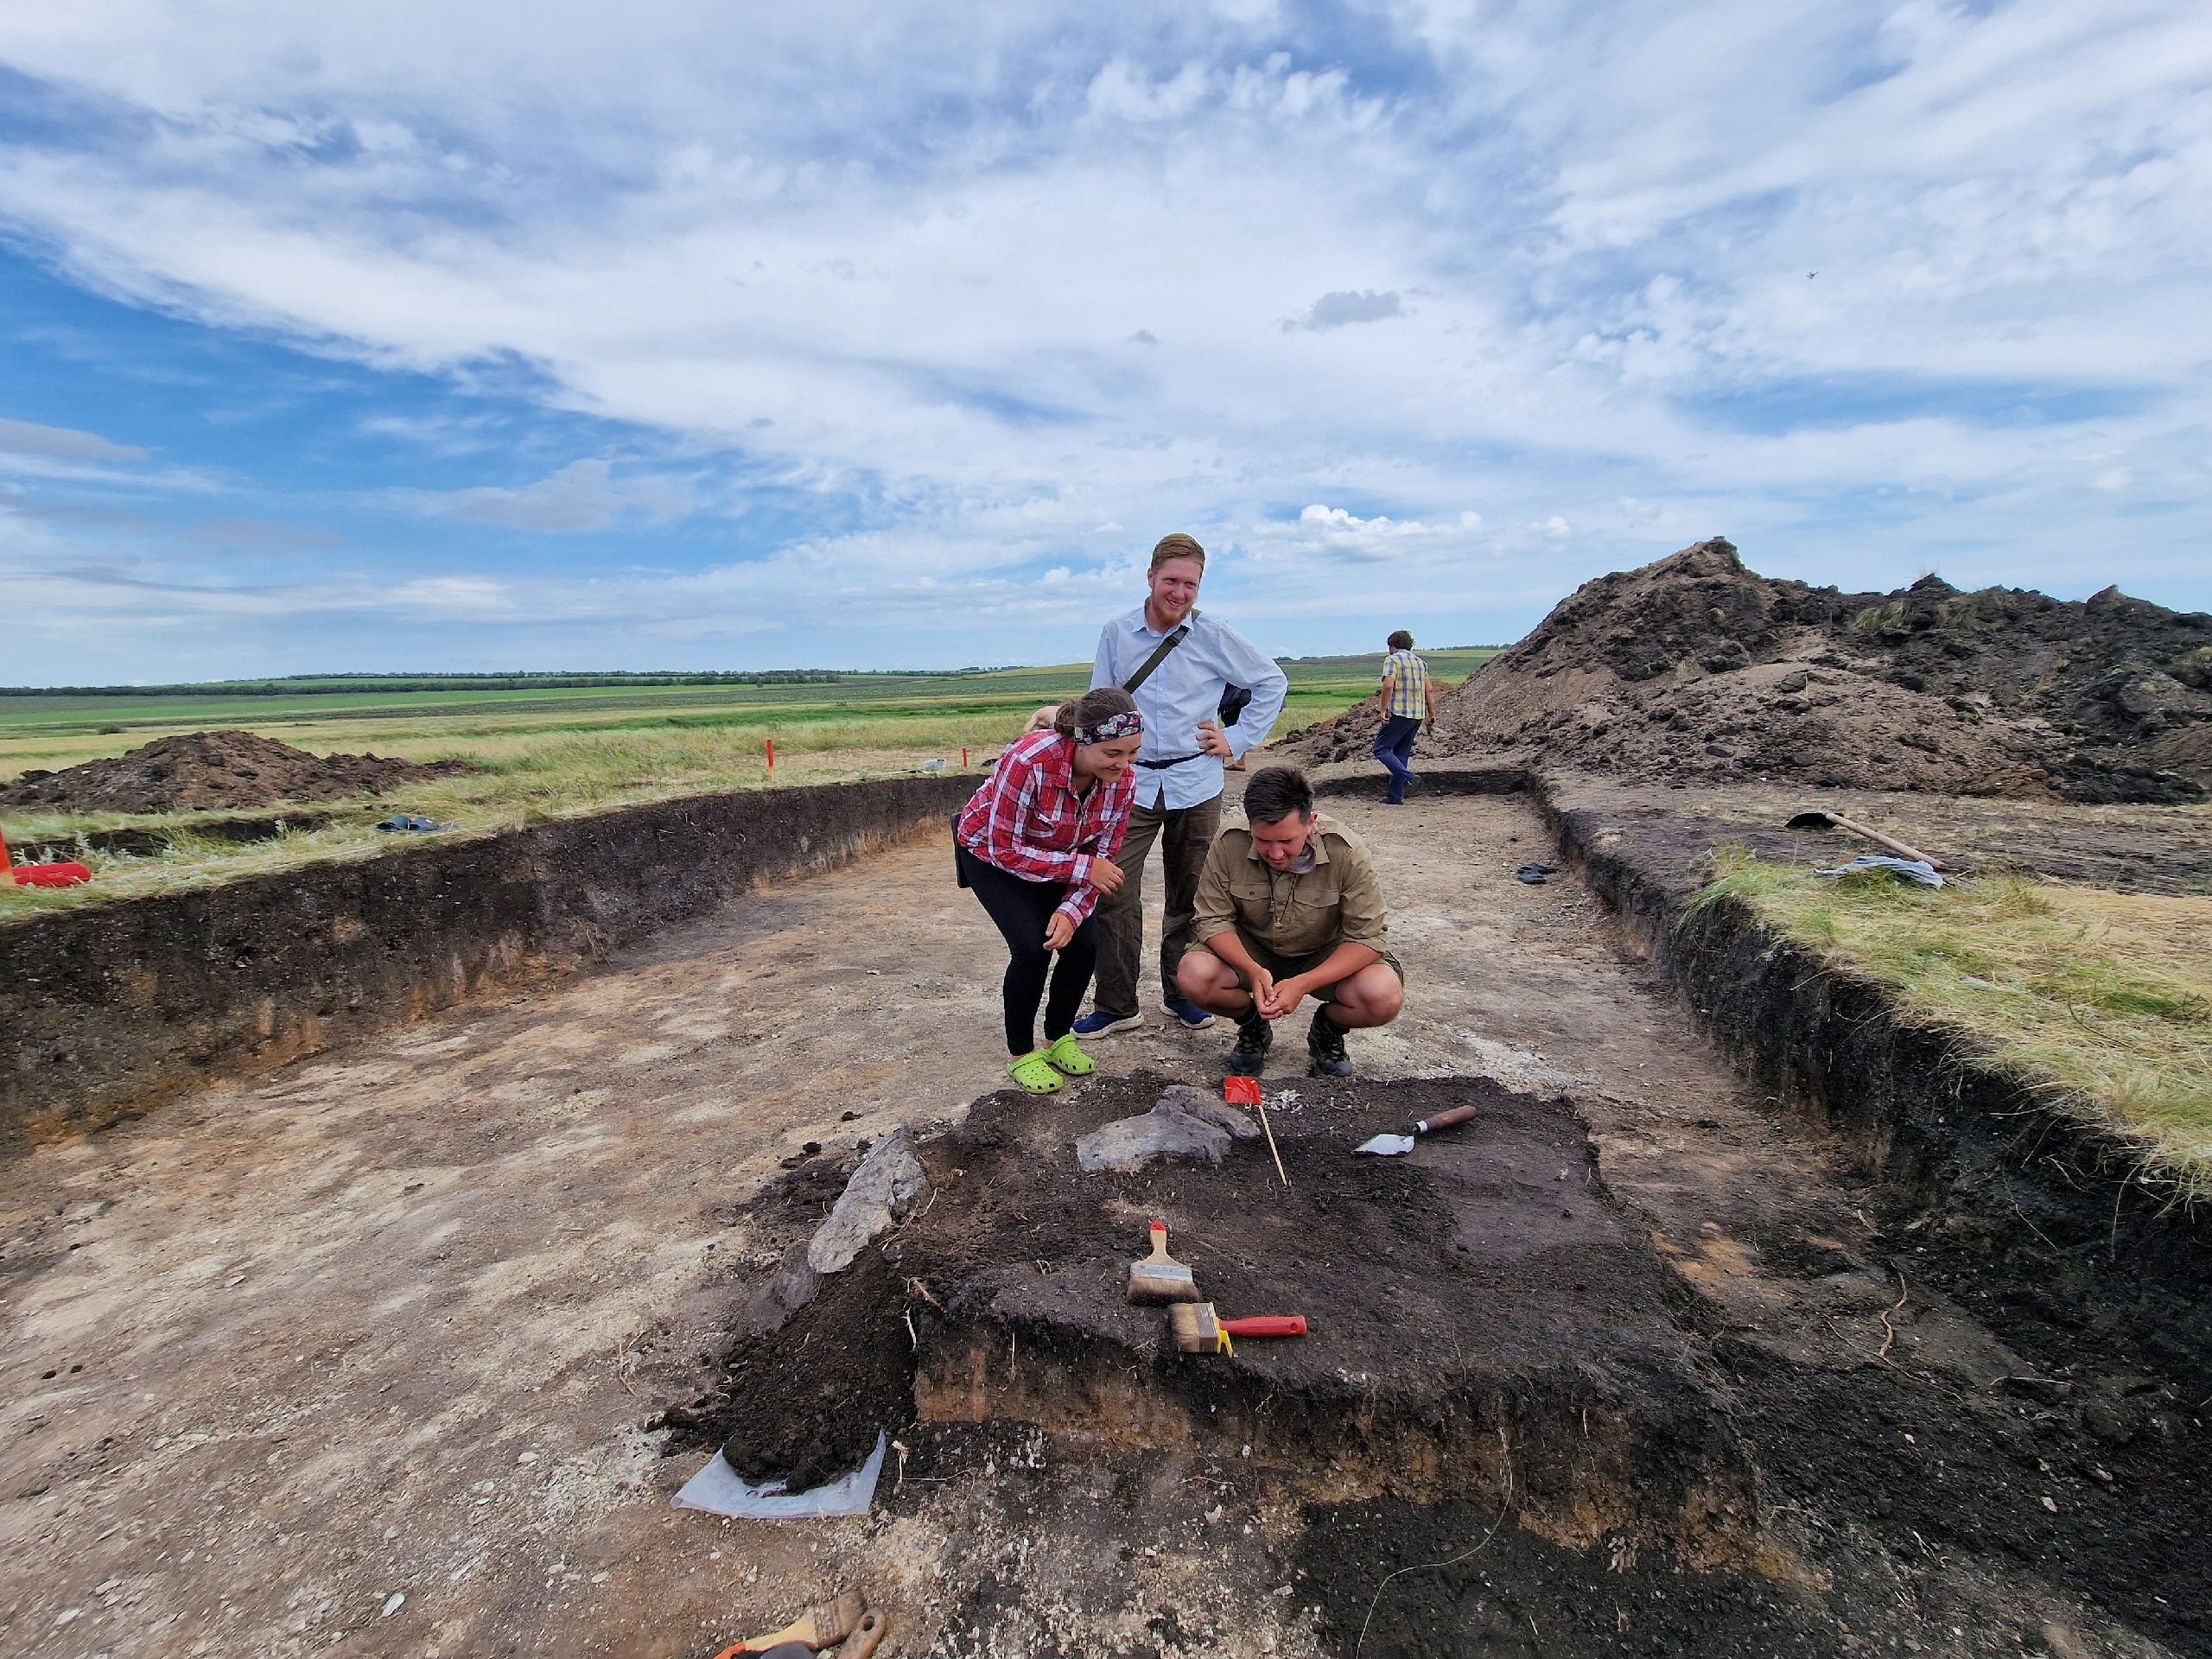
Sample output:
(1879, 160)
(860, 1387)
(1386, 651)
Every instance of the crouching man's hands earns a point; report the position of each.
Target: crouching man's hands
(1279, 997)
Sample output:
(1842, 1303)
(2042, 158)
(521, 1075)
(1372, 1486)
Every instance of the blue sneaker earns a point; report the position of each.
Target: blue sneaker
(1187, 1013)
(1099, 1023)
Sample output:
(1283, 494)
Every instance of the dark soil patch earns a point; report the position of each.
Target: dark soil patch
(1477, 1587)
(1949, 1472)
(1480, 1301)
(215, 770)
(1669, 835)
(1694, 668)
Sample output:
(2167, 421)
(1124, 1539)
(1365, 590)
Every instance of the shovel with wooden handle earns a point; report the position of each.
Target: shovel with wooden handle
(1396, 1146)
(1836, 821)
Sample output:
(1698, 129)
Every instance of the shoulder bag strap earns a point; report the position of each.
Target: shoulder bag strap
(1158, 655)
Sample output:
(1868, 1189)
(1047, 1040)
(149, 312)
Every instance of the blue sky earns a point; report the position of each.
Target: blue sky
(480, 336)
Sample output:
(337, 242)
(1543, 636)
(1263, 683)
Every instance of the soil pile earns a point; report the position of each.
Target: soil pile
(1694, 668)
(217, 770)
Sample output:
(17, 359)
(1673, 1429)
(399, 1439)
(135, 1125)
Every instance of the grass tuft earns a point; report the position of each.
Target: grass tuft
(2102, 1001)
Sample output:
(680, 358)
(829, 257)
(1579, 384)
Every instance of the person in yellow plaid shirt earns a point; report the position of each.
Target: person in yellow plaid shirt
(1408, 697)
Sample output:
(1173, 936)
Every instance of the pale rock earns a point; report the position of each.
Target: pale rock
(1129, 1143)
(883, 1190)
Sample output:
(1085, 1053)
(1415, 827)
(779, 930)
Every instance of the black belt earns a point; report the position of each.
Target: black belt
(1162, 766)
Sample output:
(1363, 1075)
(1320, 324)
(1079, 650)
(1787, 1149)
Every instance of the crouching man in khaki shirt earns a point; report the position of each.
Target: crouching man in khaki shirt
(1290, 908)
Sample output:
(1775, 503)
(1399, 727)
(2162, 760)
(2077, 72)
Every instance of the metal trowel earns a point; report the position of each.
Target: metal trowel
(1396, 1146)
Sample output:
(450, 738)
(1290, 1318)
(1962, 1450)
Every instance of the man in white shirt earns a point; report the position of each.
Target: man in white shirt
(1179, 770)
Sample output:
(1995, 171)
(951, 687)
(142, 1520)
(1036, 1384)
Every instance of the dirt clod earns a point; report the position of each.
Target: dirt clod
(215, 770)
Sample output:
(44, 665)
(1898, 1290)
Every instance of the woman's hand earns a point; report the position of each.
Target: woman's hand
(1043, 719)
(1106, 875)
(1059, 931)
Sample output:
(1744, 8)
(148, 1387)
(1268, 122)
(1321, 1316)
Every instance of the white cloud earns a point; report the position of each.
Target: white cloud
(23, 438)
(246, 534)
(578, 496)
(1336, 310)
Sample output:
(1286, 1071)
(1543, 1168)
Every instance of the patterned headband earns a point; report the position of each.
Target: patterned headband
(1128, 723)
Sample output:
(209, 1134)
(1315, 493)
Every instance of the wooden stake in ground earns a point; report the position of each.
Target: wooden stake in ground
(1245, 1091)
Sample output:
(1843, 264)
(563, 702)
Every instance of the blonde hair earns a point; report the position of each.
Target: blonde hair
(1101, 703)
(1178, 546)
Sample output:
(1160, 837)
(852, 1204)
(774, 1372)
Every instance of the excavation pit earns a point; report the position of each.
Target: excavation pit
(1487, 1325)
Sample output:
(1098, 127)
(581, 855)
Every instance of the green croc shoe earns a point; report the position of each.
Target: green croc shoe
(1065, 1055)
(1034, 1072)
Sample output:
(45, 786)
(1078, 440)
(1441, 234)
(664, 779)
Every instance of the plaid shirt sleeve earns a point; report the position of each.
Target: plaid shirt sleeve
(1102, 835)
(996, 825)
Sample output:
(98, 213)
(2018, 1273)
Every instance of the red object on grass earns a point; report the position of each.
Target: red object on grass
(50, 875)
(1267, 1324)
(41, 875)
(771, 755)
(1241, 1091)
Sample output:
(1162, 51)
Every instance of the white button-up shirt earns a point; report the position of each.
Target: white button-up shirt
(1183, 690)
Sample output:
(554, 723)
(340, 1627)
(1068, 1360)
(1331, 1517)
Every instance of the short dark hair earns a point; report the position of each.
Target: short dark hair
(1402, 640)
(1275, 792)
(1177, 546)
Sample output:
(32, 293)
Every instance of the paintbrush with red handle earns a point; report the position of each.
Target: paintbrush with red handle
(1198, 1330)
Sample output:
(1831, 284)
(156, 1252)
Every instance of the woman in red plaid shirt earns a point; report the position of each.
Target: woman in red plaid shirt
(1037, 845)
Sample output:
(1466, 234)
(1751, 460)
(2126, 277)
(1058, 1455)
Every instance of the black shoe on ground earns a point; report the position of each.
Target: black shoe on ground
(1325, 1041)
(1253, 1038)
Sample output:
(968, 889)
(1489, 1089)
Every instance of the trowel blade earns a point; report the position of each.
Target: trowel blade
(1387, 1145)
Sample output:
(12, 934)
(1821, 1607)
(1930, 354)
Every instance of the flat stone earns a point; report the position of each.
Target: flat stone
(1129, 1143)
(884, 1190)
(1210, 1108)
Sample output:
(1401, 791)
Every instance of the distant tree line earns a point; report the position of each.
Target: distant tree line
(308, 686)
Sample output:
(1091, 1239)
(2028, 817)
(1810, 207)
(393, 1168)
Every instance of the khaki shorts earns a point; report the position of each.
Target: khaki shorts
(1284, 967)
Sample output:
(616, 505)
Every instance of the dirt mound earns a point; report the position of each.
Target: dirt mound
(1694, 668)
(217, 770)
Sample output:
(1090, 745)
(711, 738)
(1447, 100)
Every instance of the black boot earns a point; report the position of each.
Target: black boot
(1255, 1035)
(1325, 1041)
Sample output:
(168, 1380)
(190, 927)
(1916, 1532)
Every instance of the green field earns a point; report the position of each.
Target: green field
(555, 749)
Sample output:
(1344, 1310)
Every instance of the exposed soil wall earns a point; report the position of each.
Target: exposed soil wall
(110, 1008)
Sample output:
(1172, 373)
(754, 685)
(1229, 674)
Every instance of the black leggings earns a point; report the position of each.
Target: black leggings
(1022, 910)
